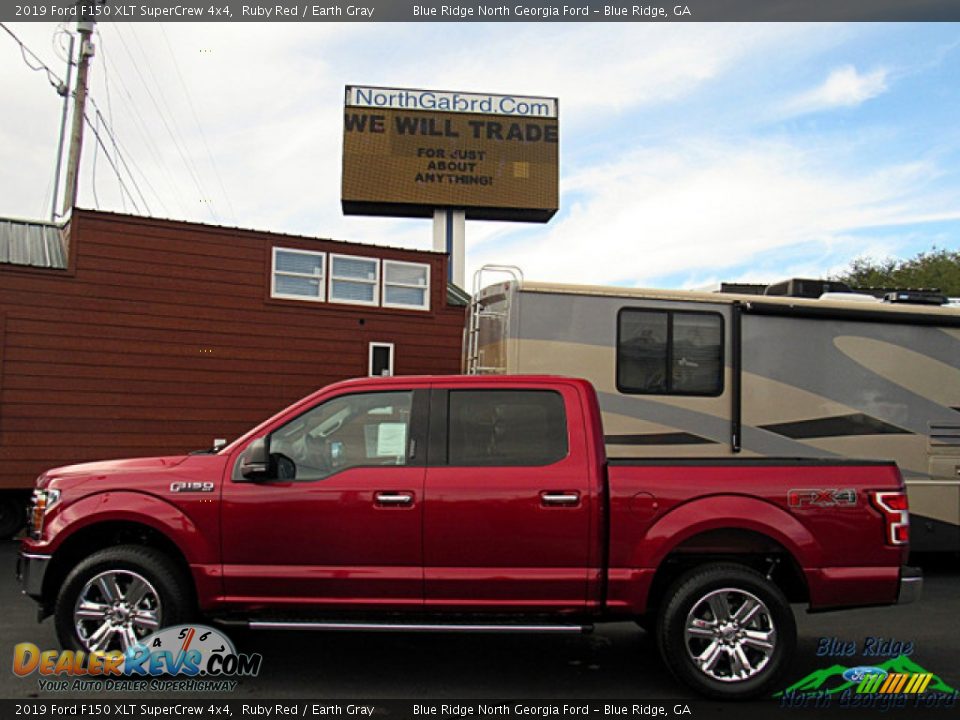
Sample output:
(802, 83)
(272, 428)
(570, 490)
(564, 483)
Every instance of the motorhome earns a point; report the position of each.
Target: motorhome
(706, 375)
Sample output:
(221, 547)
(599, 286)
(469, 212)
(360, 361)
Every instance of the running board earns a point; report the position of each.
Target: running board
(416, 627)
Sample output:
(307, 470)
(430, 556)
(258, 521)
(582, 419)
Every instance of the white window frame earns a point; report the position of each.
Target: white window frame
(370, 349)
(426, 288)
(375, 282)
(322, 277)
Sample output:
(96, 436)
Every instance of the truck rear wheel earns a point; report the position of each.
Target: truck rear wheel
(118, 596)
(726, 631)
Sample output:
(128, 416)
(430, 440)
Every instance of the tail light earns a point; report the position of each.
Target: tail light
(896, 514)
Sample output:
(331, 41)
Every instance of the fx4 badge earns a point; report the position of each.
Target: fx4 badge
(817, 497)
(179, 487)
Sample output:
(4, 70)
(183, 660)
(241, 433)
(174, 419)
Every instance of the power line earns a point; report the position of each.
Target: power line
(123, 186)
(93, 176)
(163, 119)
(196, 120)
(95, 128)
(52, 77)
(146, 136)
(106, 87)
(120, 155)
(120, 152)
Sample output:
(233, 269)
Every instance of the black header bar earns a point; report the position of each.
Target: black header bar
(483, 11)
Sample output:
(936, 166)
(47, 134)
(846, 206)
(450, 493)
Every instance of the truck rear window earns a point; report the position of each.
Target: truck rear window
(506, 427)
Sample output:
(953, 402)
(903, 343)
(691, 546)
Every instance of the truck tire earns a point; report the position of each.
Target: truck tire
(13, 515)
(115, 597)
(726, 631)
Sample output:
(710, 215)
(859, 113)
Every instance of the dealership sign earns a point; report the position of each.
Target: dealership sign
(399, 99)
(409, 152)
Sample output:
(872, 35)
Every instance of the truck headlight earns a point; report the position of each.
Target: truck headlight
(43, 500)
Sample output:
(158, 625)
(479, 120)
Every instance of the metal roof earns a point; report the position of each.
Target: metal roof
(727, 298)
(31, 243)
(457, 296)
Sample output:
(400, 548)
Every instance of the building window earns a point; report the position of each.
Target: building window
(669, 352)
(298, 274)
(380, 359)
(506, 427)
(406, 285)
(354, 280)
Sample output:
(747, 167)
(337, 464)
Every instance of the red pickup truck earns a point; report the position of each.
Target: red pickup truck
(467, 503)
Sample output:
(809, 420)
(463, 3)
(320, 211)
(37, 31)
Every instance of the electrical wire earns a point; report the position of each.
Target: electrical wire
(196, 120)
(93, 175)
(116, 171)
(52, 77)
(120, 156)
(106, 88)
(176, 143)
(59, 50)
(59, 84)
(146, 137)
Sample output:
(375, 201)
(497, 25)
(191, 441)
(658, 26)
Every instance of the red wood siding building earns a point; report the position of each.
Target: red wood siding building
(155, 337)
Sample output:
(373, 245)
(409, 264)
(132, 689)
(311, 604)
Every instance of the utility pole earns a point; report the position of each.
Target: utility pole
(64, 92)
(85, 28)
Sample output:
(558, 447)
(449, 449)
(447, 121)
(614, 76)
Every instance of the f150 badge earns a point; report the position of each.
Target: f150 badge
(179, 487)
(821, 498)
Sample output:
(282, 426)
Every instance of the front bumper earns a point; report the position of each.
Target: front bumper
(911, 585)
(31, 569)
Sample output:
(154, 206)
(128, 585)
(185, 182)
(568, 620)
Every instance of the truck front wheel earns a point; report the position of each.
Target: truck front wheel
(116, 597)
(726, 631)
(13, 514)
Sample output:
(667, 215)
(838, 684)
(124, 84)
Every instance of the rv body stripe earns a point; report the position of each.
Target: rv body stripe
(709, 426)
(854, 315)
(837, 426)
(671, 438)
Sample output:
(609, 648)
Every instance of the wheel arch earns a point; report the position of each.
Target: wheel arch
(90, 533)
(737, 545)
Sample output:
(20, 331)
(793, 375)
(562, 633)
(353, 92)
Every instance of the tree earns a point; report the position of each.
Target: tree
(935, 269)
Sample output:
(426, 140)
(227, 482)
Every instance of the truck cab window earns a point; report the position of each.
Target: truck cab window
(348, 431)
(669, 352)
(506, 427)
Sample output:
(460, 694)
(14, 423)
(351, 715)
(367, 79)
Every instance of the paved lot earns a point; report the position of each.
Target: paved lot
(617, 661)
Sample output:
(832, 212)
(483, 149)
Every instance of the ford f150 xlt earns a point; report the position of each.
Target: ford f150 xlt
(467, 503)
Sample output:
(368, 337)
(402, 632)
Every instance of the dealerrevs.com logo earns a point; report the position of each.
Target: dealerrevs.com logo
(184, 657)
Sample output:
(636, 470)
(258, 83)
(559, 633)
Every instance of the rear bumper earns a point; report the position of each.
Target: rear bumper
(31, 569)
(911, 585)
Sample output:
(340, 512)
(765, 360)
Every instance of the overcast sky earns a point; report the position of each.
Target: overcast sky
(690, 153)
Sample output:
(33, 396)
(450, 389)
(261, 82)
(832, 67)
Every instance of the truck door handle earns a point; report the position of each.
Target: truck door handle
(559, 499)
(393, 498)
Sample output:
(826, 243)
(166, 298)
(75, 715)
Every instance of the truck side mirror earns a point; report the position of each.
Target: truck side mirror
(256, 460)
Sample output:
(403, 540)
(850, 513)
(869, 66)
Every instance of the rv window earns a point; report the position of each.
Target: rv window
(506, 427)
(669, 352)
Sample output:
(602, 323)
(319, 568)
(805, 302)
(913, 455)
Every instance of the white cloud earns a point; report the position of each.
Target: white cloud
(844, 87)
(269, 99)
(700, 208)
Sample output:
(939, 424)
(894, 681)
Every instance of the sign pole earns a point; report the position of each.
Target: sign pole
(449, 231)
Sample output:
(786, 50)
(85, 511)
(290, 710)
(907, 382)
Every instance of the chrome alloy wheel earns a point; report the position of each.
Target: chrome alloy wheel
(730, 635)
(115, 610)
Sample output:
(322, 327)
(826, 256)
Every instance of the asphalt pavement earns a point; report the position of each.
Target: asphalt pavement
(615, 661)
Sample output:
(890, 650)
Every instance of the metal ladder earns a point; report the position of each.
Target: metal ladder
(477, 312)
